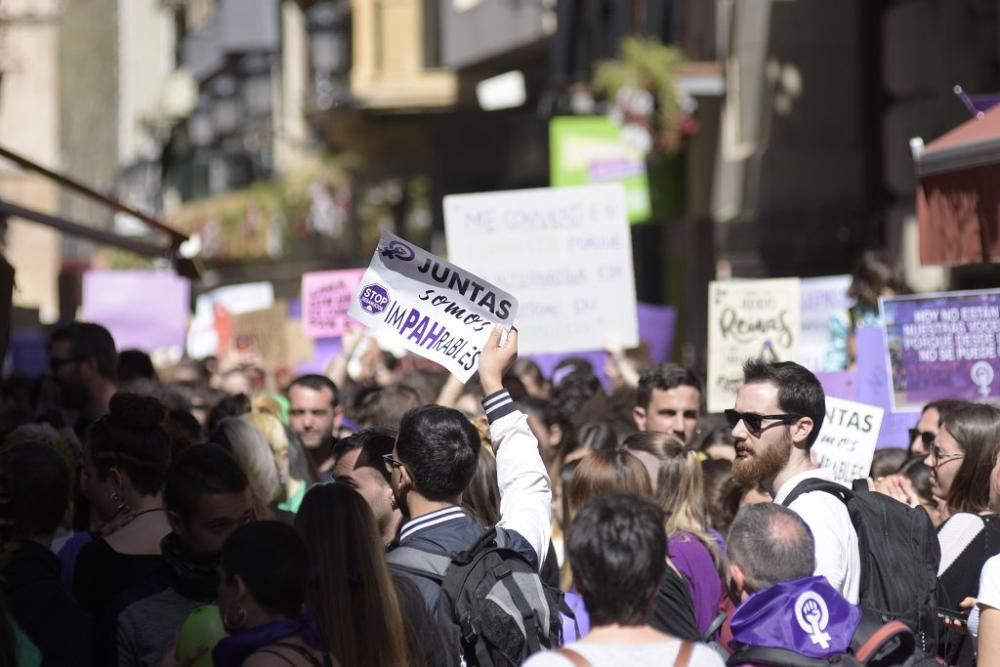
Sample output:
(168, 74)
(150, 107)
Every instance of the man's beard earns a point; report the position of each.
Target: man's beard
(72, 395)
(764, 463)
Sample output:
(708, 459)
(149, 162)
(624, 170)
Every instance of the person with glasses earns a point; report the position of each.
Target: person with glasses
(434, 459)
(83, 364)
(779, 411)
(961, 462)
(922, 435)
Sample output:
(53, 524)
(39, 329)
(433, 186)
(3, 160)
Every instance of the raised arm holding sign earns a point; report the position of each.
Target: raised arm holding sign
(429, 306)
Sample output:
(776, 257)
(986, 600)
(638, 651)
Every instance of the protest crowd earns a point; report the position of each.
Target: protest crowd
(386, 513)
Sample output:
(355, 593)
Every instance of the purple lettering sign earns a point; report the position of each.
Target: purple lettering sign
(326, 296)
(942, 346)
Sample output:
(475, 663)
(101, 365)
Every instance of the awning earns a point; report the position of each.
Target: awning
(958, 201)
(182, 265)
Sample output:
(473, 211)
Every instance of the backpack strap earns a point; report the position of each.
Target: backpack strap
(872, 645)
(684, 654)
(301, 650)
(574, 657)
(418, 561)
(528, 615)
(775, 657)
(814, 484)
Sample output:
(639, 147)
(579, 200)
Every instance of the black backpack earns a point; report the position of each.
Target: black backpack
(874, 644)
(493, 602)
(899, 553)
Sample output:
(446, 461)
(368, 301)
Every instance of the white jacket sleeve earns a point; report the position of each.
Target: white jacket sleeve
(525, 492)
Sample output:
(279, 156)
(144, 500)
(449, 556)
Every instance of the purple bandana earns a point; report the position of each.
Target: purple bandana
(808, 616)
(231, 651)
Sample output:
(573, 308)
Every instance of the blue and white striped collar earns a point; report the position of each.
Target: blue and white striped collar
(434, 518)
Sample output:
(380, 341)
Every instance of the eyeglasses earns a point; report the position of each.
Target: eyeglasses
(391, 463)
(926, 437)
(754, 422)
(940, 457)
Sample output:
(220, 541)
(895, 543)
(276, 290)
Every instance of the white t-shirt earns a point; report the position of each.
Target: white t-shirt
(837, 555)
(617, 655)
(989, 592)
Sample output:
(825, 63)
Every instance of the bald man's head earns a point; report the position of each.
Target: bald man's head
(770, 544)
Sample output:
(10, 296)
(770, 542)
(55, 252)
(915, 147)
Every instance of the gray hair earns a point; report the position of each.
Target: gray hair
(771, 544)
(252, 453)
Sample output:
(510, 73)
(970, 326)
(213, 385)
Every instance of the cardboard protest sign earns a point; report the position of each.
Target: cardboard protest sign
(823, 299)
(942, 345)
(326, 296)
(751, 319)
(204, 337)
(846, 442)
(433, 308)
(593, 149)
(269, 334)
(147, 310)
(565, 252)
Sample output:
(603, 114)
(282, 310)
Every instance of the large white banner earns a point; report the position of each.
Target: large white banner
(433, 308)
(846, 442)
(565, 252)
(752, 319)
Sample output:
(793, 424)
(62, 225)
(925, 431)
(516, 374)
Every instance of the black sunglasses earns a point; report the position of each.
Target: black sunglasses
(55, 363)
(755, 422)
(925, 436)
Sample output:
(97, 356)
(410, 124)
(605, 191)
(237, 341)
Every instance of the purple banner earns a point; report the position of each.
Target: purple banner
(142, 309)
(872, 385)
(943, 346)
(657, 325)
(839, 384)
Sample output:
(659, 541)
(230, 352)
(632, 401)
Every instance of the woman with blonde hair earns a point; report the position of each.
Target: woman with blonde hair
(691, 544)
(253, 454)
(293, 489)
(364, 615)
(600, 473)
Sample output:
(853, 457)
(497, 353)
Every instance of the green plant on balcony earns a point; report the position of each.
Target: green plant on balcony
(641, 87)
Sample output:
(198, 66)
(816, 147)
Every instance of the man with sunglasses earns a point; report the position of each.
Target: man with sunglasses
(779, 411)
(83, 363)
(922, 436)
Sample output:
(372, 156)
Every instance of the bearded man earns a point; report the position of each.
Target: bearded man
(779, 411)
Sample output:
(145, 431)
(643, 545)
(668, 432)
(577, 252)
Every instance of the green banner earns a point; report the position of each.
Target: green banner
(591, 149)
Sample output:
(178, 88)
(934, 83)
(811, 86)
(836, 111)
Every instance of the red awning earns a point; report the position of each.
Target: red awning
(958, 196)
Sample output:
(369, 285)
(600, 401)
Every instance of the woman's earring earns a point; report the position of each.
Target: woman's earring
(119, 502)
(241, 619)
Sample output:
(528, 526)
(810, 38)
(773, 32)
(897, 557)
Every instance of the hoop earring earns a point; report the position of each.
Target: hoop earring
(121, 506)
(241, 619)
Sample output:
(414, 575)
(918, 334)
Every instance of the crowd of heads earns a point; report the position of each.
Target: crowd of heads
(631, 464)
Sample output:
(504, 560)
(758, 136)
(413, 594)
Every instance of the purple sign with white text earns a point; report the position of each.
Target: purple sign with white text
(943, 345)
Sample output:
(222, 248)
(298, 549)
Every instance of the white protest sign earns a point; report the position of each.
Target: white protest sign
(748, 319)
(565, 252)
(846, 442)
(431, 307)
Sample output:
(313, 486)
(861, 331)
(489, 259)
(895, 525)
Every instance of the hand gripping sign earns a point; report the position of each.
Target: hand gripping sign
(433, 308)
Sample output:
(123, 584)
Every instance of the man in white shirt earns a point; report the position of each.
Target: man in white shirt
(779, 411)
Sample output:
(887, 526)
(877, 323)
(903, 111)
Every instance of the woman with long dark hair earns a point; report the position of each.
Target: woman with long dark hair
(960, 463)
(362, 615)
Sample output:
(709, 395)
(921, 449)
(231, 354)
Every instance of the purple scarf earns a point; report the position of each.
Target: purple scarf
(231, 651)
(807, 616)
